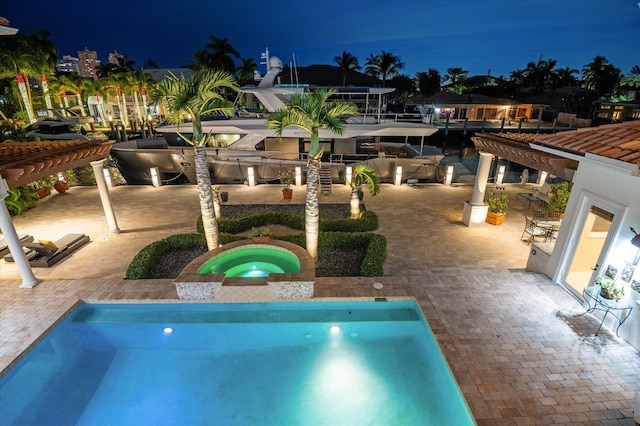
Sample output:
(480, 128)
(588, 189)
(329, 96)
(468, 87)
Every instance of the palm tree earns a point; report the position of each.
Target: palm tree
(312, 111)
(150, 64)
(16, 59)
(566, 78)
(362, 175)
(383, 66)
(247, 69)
(455, 76)
(428, 82)
(222, 52)
(347, 62)
(600, 76)
(633, 78)
(540, 75)
(45, 58)
(197, 96)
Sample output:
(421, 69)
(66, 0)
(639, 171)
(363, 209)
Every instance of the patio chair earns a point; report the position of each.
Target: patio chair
(49, 253)
(532, 231)
(4, 248)
(539, 214)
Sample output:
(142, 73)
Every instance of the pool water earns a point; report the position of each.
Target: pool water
(252, 261)
(312, 363)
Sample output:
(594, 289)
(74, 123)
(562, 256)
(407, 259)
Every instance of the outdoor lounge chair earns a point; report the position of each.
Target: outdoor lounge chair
(49, 253)
(4, 248)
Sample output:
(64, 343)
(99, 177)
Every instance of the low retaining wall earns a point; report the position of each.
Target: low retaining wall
(216, 287)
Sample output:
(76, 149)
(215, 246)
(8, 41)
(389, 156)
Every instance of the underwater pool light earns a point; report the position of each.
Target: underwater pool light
(167, 330)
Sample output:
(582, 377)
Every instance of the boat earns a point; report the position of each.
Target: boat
(64, 124)
(246, 151)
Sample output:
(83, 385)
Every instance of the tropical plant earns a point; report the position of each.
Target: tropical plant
(261, 231)
(20, 199)
(455, 76)
(498, 202)
(312, 111)
(197, 96)
(383, 66)
(16, 59)
(362, 175)
(222, 52)
(540, 75)
(428, 83)
(346, 62)
(559, 196)
(247, 69)
(601, 76)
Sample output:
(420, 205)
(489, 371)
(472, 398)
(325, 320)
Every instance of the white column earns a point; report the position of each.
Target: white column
(475, 211)
(482, 175)
(105, 197)
(13, 242)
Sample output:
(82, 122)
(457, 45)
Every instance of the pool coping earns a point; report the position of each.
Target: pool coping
(307, 266)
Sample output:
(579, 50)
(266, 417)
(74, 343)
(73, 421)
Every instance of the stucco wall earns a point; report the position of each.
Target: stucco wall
(615, 186)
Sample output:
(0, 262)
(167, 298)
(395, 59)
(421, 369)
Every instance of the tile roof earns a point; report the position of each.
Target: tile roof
(617, 141)
(26, 162)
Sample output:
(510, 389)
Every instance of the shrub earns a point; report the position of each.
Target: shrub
(367, 222)
(143, 263)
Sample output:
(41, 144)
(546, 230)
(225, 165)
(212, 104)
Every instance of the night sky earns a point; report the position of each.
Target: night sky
(476, 35)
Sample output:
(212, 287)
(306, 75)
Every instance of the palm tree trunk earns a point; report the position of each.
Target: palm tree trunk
(80, 104)
(312, 209)
(45, 91)
(25, 97)
(354, 202)
(203, 178)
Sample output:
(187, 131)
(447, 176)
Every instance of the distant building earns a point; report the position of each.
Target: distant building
(68, 65)
(88, 63)
(116, 58)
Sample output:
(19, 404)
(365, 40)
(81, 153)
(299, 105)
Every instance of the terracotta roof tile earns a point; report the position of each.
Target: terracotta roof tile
(618, 141)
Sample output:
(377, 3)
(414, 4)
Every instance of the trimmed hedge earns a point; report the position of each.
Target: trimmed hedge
(376, 244)
(334, 233)
(143, 262)
(368, 222)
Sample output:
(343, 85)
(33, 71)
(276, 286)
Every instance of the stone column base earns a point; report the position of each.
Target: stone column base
(474, 215)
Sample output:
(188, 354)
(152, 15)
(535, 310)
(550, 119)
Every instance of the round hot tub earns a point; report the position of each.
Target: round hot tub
(252, 261)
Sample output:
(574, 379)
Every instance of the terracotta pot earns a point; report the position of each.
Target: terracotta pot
(43, 192)
(287, 194)
(261, 240)
(61, 186)
(495, 218)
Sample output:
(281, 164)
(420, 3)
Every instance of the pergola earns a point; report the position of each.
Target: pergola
(25, 162)
(516, 147)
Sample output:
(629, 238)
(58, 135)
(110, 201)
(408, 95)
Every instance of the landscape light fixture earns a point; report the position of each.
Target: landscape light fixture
(398, 181)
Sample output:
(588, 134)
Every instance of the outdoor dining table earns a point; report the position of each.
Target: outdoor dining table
(551, 225)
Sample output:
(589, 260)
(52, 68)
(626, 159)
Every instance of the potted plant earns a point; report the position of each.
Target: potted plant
(609, 289)
(362, 176)
(286, 177)
(260, 234)
(559, 196)
(61, 184)
(498, 205)
(44, 186)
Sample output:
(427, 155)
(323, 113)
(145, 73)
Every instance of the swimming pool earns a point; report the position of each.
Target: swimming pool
(310, 363)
